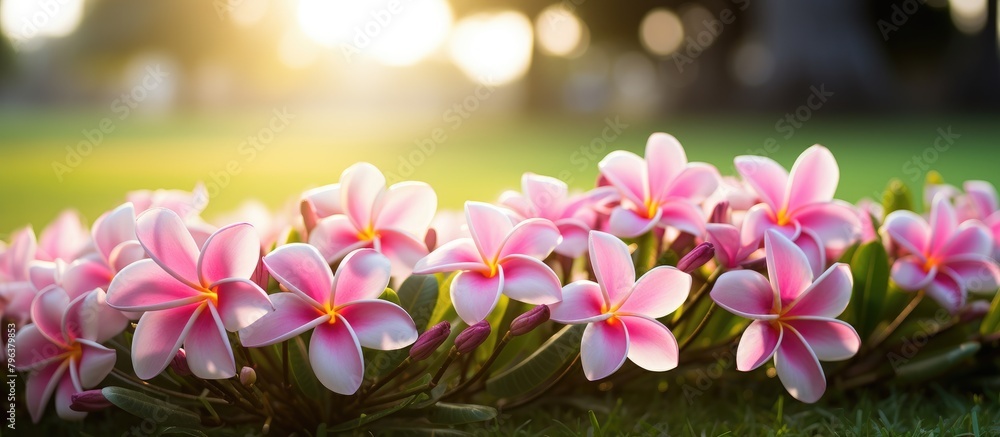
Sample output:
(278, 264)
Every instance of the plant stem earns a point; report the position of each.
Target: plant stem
(452, 354)
(484, 368)
(124, 377)
(382, 381)
(646, 253)
(284, 363)
(887, 332)
(401, 395)
(699, 328)
(697, 296)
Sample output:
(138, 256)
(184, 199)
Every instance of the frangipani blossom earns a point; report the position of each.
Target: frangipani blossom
(342, 310)
(794, 316)
(548, 198)
(661, 190)
(187, 204)
(65, 238)
(16, 288)
(980, 202)
(114, 237)
(62, 350)
(943, 257)
(499, 258)
(361, 212)
(730, 251)
(191, 297)
(621, 312)
(800, 204)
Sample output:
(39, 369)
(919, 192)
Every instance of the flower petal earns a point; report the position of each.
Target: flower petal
(798, 368)
(241, 302)
(650, 344)
(757, 345)
(603, 348)
(972, 237)
(407, 207)
(33, 349)
(835, 223)
(325, 199)
(489, 227)
(292, 316)
(745, 293)
(209, 354)
(813, 178)
(379, 324)
(944, 223)
(89, 317)
(84, 275)
(96, 362)
(909, 230)
(529, 280)
(40, 387)
(983, 197)
(231, 252)
(474, 295)
(658, 292)
(812, 247)
(726, 240)
(683, 215)
(829, 339)
(627, 172)
(460, 254)
(946, 289)
(360, 186)
(302, 270)
(47, 310)
(145, 286)
(695, 183)
(64, 397)
(758, 220)
(532, 237)
(335, 237)
(665, 160)
(158, 335)
(787, 266)
(977, 273)
(124, 254)
(627, 224)
(335, 355)
(168, 242)
(363, 274)
(402, 249)
(909, 273)
(612, 266)
(574, 238)
(828, 296)
(768, 178)
(545, 193)
(113, 228)
(582, 302)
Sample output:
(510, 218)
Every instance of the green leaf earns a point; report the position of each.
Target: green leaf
(389, 295)
(419, 296)
(495, 319)
(443, 309)
(301, 370)
(455, 414)
(147, 407)
(921, 369)
(991, 324)
(870, 268)
(897, 197)
(365, 419)
(541, 366)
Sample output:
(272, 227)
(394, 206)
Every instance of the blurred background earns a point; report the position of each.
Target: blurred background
(262, 99)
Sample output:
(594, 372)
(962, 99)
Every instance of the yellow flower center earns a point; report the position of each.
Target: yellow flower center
(931, 263)
(783, 217)
(211, 295)
(368, 234)
(652, 207)
(330, 311)
(75, 351)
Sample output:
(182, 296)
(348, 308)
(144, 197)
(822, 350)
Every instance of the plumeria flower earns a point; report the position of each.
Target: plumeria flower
(943, 257)
(661, 190)
(65, 238)
(117, 246)
(794, 316)
(187, 204)
(869, 214)
(342, 310)
(548, 198)
(621, 312)
(190, 296)
(730, 251)
(800, 204)
(361, 212)
(499, 258)
(62, 350)
(980, 202)
(16, 288)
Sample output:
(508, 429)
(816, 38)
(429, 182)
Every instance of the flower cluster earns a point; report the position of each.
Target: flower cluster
(340, 288)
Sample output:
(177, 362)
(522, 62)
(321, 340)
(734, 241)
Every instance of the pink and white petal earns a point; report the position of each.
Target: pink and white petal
(168, 241)
(745, 293)
(909, 273)
(403, 250)
(113, 228)
(658, 292)
(757, 345)
(758, 220)
(489, 226)
(518, 203)
(42, 274)
(361, 185)
(407, 207)
(829, 339)
(533, 237)
(64, 238)
(650, 344)
(158, 335)
(95, 364)
(947, 290)
(40, 387)
(768, 178)
(813, 178)
(726, 240)
(335, 237)
(908, 230)
(460, 254)
(972, 237)
(47, 311)
(241, 302)
(64, 398)
(613, 266)
(983, 197)
(89, 317)
(209, 354)
(978, 273)
(574, 238)
(835, 223)
(33, 349)
(943, 222)
(695, 183)
(828, 296)
(627, 172)
(582, 302)
(22, 251)
(145, 286)
(812, 247)
(231, 252)
(787, 266)
(665, 160)
(798, 368)
(325, 199)
(683, 215)
(302, 270)
(626, 223)
(603, 348)
(530, 281)
(474, 295)
(126, 253)
(545, 193)
(379, 324)
(335, 355)
(362, 275)
(84, 275)
(292, 316)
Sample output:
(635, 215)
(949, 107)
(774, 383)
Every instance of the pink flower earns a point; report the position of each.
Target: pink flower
(62, 350)
(117, 246)
(16, 288)
(800, 204)
(360, 212)
(794, 316)
(187, 204)
(342, 310)
(548, 198)
(499, 258)
(662, 190)
(65, 238)
(869, 213)
(621, 312)
(189, 296)
(944, 258)
(980, 202)
(730, 250)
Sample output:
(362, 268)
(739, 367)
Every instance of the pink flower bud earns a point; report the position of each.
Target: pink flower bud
(430, 341)
(473, 336)
(696, 258)
(720, 214)
(530, 320)
(89, 401)
(180, 363)
(248, 376)
(430, 239)
(309, 215)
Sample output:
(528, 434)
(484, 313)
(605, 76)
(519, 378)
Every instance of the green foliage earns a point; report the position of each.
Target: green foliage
(991, 324)
(923, 368)
(444, 413)
(897, 197)
(301, 370)
(870, 269)
(148, 407)
(541, 366)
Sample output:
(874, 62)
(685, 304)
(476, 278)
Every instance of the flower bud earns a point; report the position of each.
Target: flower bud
(430, 239)
(309, 215)
(696, 258)
(473, 336)
(180, 363)
(248, 376)
(89, 401)
(530, 320)
(720, 214)
(429, 341)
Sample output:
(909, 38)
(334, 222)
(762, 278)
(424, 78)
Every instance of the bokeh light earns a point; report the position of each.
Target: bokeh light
(561, 33)
(661, 32)
(969, 16)
(24, 20)
(493, 48)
